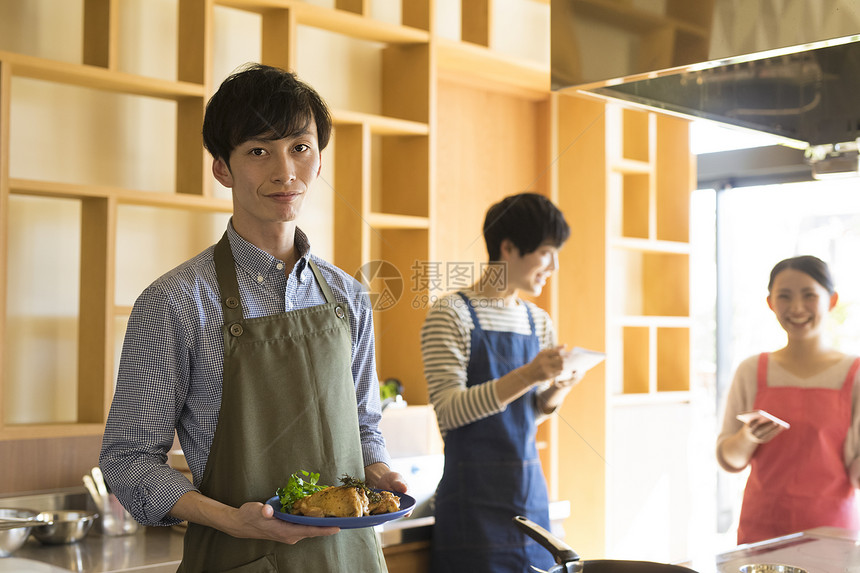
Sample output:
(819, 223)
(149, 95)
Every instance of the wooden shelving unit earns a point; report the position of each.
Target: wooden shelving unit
(633, 245)
(458, 126)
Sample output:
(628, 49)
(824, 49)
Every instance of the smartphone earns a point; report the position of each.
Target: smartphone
(747, 417)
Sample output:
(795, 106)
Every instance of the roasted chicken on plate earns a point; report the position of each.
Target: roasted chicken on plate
(346, 501)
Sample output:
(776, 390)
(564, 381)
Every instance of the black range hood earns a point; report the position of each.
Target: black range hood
(807, 95)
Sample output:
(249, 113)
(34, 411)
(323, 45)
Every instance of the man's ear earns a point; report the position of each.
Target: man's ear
(222, 173)
(508, 250)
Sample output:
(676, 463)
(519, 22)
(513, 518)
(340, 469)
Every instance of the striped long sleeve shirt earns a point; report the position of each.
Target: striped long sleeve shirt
(446, 347)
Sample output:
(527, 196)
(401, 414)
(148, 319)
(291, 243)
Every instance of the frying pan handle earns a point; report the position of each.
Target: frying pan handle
(561, 552)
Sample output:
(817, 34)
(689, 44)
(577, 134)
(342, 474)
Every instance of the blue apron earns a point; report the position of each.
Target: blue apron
(492, 471)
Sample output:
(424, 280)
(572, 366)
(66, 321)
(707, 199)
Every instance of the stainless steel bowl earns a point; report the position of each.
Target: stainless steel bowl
(15, 528)
(67, 526)
(770, 568)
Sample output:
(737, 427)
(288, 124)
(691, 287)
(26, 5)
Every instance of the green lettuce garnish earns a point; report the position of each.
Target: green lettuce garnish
(298, 487)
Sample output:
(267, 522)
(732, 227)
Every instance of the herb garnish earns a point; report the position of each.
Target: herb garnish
(297, 488)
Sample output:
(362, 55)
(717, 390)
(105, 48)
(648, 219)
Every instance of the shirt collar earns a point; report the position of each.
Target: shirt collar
(258, 262)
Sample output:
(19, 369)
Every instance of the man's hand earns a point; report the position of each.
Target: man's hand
(253, 520)
(380, 476)
(547, 365)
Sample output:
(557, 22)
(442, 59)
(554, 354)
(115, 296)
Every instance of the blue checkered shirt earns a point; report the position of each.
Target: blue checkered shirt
(171, 368)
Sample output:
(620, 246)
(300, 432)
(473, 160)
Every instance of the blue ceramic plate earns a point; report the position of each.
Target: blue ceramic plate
(407, 503)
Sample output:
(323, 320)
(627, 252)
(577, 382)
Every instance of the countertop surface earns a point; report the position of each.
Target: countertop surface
(150, 549)
(820, 550)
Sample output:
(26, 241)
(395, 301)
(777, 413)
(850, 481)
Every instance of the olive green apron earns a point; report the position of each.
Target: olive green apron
(288, 404)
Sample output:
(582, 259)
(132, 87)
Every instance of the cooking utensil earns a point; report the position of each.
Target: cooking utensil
(99, 480)
(770, 568)
(568, 561)
(94, 493)
(116, 520)
(20, 523)
(66, 526)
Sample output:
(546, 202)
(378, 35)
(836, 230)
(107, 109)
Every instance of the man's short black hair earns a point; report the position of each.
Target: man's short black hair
(260, 101)
(528, 220)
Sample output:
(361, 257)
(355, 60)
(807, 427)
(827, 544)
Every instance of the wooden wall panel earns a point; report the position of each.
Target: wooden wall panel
(489, 146)
(44, 464)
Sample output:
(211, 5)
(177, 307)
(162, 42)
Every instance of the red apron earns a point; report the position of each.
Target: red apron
(798, 480)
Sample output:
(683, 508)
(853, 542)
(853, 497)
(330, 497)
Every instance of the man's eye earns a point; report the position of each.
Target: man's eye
(258, 151)
(301, 147)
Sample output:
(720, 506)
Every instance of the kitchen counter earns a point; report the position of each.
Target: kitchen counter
(820, 550)
(405, 542)
(149, 550)
(159, 549)
(154, 549)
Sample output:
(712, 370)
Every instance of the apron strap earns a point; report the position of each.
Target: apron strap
(531, 319)
(848, 385)
(329, 297)
(475, 323)
(225, 269)
(474, 315)
(762, 370)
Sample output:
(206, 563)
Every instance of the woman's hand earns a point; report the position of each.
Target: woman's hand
(735, 452)
(761, 430)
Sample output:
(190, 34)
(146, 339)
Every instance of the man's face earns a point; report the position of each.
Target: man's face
(270, 178)
(529, 273)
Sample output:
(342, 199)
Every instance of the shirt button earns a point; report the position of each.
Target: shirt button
(280, 266)
(260, 278)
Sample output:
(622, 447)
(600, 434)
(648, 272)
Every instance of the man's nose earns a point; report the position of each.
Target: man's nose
(284, 168)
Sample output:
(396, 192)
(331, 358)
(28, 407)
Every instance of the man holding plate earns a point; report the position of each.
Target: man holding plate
(258, 354)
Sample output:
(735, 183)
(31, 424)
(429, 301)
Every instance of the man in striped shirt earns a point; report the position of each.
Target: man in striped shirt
(494, 371)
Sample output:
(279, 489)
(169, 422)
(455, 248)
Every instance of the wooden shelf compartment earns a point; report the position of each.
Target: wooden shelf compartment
(471, 63)
(335, 20)
(401, 296)
(636, 364)
(673, 359)
(637, 129)
(649, 283)
(74, 332)
(675, 178)
(390, 221)
(400, 176)
(379, 125)
(650, 399)
(652, 245)
(99, 78)
(636, 205)
(122, 196)
(655, 359)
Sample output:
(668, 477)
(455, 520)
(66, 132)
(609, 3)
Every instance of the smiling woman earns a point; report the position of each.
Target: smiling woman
(810, 317)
